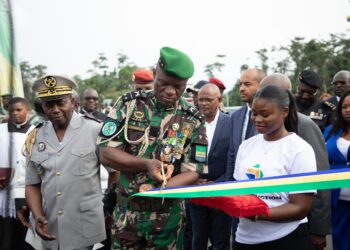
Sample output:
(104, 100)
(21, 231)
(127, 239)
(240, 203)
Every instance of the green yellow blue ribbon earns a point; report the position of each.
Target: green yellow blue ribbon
(329, 179)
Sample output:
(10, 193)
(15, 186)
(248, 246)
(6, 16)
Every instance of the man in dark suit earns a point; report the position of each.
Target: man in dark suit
(90, 105)
(241, 127)
(206, 222)
(340, 84)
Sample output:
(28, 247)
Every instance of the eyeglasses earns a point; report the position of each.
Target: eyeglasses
(308, 92)
(87, 98)
(206, 100)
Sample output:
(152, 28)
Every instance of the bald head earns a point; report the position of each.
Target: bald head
(343, 75)
(341, 82)
(210, 89)
(209, 98)
(278, 80)
(91, 101)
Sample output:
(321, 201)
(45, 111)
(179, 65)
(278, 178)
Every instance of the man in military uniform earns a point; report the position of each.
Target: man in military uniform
(149, 133)
(142, 79)
(194, 91)
(340, 84)
(308, 101)
(63, 189)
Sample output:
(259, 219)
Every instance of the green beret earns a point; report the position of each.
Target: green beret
(175, 63)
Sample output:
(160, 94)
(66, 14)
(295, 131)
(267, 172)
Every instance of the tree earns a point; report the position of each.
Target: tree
(29, 75)
(217, 66)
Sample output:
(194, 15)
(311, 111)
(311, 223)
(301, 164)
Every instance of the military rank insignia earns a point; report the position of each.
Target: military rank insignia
(39, 169)
(41, 146)
(109, 128)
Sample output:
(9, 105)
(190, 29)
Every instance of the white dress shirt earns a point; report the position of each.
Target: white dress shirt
(210, 129)
(245, 123)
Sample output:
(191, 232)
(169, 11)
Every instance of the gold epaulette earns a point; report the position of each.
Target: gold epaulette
(330, 105)
(30, 141)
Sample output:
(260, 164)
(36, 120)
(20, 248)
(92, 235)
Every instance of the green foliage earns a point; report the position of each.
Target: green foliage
(109, 83)
(29, 75)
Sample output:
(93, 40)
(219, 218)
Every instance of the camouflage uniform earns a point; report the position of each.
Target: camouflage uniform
(170, 134)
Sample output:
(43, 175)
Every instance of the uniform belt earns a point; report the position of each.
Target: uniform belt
(141, 204)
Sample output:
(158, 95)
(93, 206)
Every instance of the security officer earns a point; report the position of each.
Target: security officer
(147, 133)
(142, 79)
(340, 85)
(194, 91)
(308, 101)
(63, 187)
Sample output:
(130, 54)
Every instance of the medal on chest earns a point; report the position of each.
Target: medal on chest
(173, 144)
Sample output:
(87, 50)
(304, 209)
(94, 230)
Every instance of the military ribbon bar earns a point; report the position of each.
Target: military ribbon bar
(329, 179)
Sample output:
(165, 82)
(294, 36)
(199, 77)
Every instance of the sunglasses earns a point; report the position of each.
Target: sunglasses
(87, 98)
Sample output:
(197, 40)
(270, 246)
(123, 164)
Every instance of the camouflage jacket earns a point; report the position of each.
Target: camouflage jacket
(174, 135)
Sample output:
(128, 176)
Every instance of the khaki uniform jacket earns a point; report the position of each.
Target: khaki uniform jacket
(70, 183)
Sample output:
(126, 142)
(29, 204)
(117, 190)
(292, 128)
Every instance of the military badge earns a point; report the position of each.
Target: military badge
(41, 146)
(109, 128)
(39, 169)
(50, 82)
(138, 116)
(175, 126)
(187, 129)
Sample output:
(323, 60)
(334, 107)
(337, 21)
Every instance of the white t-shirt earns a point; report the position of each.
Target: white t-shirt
(257, 158)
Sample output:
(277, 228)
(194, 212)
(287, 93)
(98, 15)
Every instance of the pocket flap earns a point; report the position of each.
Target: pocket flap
(81, 152)
(39, 158)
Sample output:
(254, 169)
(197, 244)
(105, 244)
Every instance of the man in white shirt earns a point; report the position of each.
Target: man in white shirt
(206, 222)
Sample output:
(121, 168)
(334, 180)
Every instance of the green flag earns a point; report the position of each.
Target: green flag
(10, 75)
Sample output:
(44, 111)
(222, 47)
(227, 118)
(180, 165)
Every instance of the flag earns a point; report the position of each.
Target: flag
(328, 179)
(10, 74)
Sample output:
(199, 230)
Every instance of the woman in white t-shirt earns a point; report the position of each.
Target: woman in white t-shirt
(275, 151)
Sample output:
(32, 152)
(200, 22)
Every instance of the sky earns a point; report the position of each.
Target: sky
(67, 35)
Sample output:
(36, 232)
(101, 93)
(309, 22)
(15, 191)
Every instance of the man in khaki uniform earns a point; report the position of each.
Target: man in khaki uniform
(63, 187)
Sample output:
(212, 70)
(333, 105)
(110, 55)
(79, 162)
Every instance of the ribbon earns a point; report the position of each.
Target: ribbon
(329, 179)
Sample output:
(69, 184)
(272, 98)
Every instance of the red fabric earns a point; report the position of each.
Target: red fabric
(217, 82)
(237, 206)
(143, 76)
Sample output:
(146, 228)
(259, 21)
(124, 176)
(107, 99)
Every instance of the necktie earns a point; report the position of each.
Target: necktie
(249, 126)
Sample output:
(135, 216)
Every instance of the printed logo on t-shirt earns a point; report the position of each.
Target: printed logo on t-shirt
(254, 172)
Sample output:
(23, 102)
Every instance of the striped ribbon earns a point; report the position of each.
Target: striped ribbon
(330, 179)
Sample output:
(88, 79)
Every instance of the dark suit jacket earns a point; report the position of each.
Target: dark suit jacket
(97, 114)
(217, 156)
(333, 100)
(236, 128)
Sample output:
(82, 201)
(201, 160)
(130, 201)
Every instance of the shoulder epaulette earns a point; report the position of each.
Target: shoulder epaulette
(31, 137)
(330, 105)
(137, 94)
(194, 112)
(91, 117)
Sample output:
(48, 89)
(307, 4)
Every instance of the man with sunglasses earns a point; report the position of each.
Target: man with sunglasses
(63, 189)
(308, 100)
(90, 104)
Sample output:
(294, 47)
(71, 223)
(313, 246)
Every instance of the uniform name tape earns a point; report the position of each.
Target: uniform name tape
(329, 179)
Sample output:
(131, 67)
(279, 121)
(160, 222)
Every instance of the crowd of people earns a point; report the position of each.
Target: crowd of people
(69, 170)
